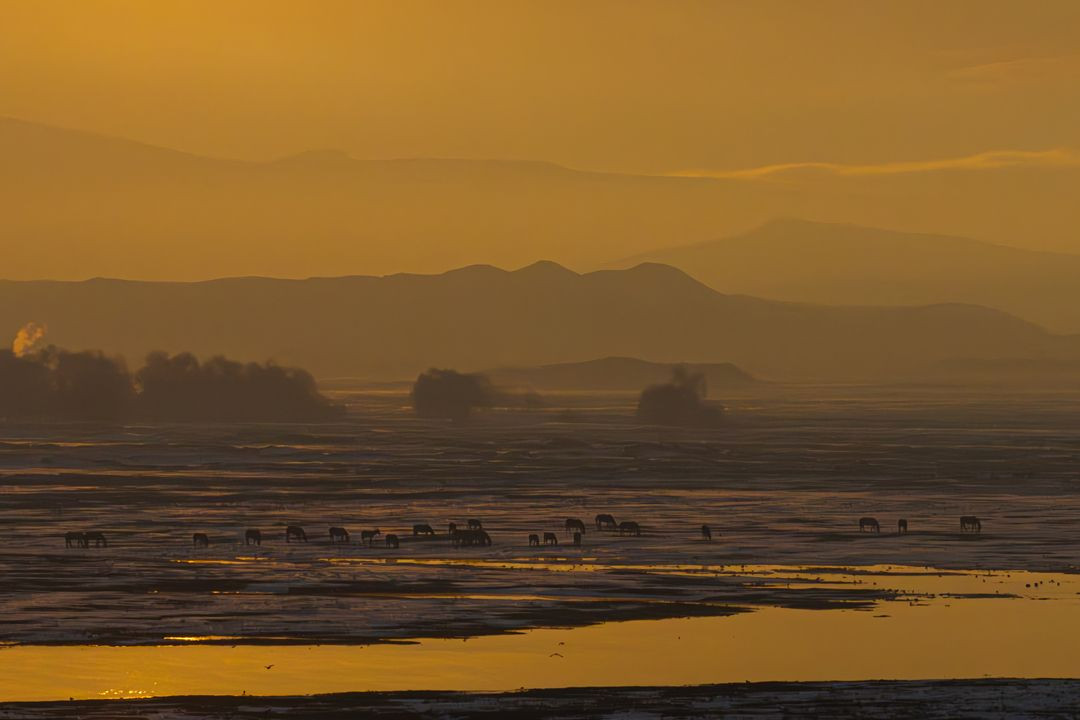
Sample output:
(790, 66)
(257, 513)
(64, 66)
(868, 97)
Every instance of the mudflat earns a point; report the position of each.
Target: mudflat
(782, 484)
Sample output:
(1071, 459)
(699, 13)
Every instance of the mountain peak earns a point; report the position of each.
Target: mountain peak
(659, 271)
(546, 269)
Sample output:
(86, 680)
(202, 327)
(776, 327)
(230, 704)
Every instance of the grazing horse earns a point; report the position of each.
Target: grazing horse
(476, 525)
(295, 532)
(577, 539)
(369, 535)
(392, 541)
(74, 539)
(605, 522)
(575, 525)
(252, 536)
(534, 539)
(200, 540)
(98, 538)
(629, 527)
(970, 522)
(869, 524)
(706, 533)
(901, 526)
(471, 537)
(422, 529)
(339, 534)
(551, 539)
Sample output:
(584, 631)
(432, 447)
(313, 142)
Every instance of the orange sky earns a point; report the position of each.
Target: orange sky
(637, 85)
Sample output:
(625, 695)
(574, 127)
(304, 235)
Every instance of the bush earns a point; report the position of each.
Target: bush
(450, 394)
(679, 402)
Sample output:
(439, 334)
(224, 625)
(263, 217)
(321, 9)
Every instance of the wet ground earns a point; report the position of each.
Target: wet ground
(784, 482)
(927, 624)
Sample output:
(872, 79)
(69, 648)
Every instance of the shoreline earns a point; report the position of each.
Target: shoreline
(984, 697)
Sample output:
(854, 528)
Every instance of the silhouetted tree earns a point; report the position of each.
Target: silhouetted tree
(679, 402)
(450, 394)
(181, 388)
(88, 385)
(25, 386)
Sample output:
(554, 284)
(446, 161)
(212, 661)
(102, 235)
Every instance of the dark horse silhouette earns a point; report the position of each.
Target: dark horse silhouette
(451, 528)
(200, 540)
(98, 538)
(369, 535)
(706, 532)
(75, 539)
(339, 534)
(629, 527)
(534, 539)
(575, 525)
(901, 526)
(605, 522)
(422, 529)
(462, 538)
(476, 525)
(970, 522)
(295, 532)
(577, 539)
(392, 541)
(869, 524)
(551, 539)
(252, 536)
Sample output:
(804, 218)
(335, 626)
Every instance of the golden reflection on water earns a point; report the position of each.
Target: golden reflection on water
(1037, 635)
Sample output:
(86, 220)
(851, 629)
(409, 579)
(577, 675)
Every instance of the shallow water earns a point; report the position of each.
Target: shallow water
(942, 624)
(784, 482)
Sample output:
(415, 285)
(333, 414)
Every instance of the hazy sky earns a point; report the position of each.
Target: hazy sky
(637, 85)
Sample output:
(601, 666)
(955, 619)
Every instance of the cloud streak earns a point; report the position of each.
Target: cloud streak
(1056, 157)
(1019, 71)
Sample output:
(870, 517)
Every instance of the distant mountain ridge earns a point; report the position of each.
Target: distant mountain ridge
(842, 264)
(480, 317)
(617, 373)
(79, 205)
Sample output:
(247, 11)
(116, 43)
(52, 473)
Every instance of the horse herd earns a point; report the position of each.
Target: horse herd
(295, 533)
(83, 539)
(968, 523)
(473, 534)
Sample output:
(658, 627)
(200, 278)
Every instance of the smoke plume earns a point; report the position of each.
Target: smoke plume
(27, 338)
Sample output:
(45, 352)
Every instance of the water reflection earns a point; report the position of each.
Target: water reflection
(943, 625)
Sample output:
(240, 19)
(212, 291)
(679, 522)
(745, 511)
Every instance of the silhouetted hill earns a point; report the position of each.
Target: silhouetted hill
(482, 317)
(617, 373)
(847, 264)
(78, 205)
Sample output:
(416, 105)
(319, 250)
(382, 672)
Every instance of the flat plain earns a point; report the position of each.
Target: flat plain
(782, 484)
